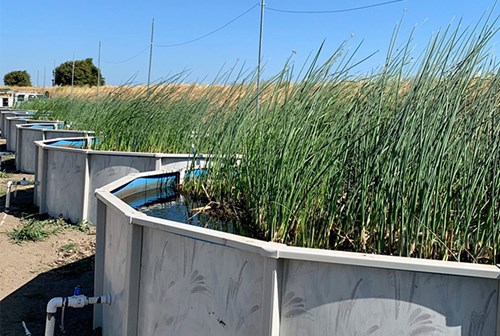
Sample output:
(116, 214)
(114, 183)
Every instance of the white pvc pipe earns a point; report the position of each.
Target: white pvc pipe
(52, 306)
(7, 197)
(75, 301)
(9, 190)
(26, 331)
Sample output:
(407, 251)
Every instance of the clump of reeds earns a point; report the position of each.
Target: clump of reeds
(402, 162)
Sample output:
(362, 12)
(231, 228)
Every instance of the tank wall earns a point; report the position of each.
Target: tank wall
(181, 162)
(319, 298)
(26, 149)
(10, 132)
(105, 169)
(115, 255)
(191, 287)
(40, 177)
(64, 183)
(9, 114)
(193, 281)
(3, 116)
(11, 135)
(81, 172)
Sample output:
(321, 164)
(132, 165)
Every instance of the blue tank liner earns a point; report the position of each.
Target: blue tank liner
(146, 190)
(39, 126)
(70, 143)
(73, 143)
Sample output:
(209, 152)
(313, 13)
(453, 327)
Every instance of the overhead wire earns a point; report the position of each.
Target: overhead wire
(209, 33)
(332, 11)
(246, 12)
(128, 59)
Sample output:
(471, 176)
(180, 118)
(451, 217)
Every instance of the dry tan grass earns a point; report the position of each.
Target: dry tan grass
(78, 91)
(125, 91)
(220, 94)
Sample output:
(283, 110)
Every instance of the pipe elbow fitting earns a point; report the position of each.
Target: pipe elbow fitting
(53, 304)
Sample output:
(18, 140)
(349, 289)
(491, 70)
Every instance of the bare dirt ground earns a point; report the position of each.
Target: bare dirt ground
(31, 273)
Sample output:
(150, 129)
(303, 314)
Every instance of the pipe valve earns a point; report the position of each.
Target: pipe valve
(76, 301)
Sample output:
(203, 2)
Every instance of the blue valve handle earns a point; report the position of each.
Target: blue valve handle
(77, 291)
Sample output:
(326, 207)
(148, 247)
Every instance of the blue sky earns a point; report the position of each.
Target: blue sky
(40, 34)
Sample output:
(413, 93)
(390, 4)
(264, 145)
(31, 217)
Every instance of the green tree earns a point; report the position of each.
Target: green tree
(85, 73)
(17, 78)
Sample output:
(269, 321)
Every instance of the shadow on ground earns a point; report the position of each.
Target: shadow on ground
(8, 165)
(21, 203)
(28, 303)
(21, 200)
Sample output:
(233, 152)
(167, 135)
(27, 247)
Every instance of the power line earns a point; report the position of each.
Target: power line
(128, 59)
(333, 11)
(209, 33)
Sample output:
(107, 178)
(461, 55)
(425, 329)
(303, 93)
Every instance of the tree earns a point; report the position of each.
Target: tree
(85, 73)
(17, 78)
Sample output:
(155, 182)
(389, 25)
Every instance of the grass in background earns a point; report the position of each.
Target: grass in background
(403, 162)
(164, 119)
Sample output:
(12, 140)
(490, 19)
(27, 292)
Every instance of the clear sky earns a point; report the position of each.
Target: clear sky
(35, 35)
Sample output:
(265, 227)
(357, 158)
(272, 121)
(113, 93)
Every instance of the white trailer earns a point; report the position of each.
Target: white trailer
(13, 98)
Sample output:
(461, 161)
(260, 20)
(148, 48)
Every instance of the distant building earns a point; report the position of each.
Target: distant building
(13, 98)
